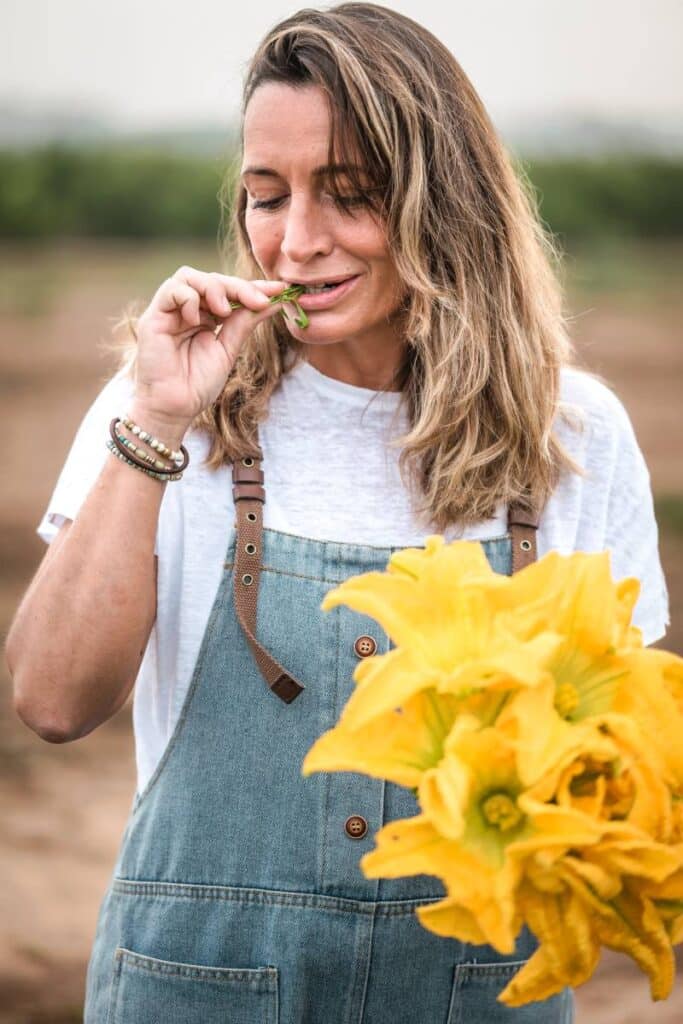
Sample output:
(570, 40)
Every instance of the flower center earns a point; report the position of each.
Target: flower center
(500, 810)
(566, 699)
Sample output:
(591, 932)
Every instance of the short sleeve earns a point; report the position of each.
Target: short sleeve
(632, 535)
(86, 456)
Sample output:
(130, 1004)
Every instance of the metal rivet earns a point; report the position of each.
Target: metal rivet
(251, 516)
(250, 549)
(247, 579)
(247, 461)
(525, 545)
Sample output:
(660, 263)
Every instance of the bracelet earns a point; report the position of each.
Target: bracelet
(127, 448)
(148, 472)
(154, 463)
(153, 442)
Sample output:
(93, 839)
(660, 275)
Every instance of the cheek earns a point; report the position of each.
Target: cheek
(369, 243)
(263, 239)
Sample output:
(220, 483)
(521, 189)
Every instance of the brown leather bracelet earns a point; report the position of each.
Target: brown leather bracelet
(171, 470)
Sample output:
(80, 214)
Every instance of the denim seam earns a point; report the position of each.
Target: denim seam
(338, 579)
(490, 970)
(113, 977)
(266, 897)
(328, 781)
(370, 547)
(197, 972)
(468, 970)
(368, 963)
(287, 572)
(184, 711)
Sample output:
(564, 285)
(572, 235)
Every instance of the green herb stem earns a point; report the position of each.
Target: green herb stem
(290, 294)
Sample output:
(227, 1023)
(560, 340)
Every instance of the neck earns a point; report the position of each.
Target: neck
(378, 370)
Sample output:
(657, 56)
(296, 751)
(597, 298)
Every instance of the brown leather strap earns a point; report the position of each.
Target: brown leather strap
(522, 526)
(249, 495)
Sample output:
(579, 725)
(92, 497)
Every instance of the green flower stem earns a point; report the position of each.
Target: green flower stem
(290, 294)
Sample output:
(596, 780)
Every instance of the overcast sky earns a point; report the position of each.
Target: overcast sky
(154, 63)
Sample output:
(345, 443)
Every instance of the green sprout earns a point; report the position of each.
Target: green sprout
(290, 294)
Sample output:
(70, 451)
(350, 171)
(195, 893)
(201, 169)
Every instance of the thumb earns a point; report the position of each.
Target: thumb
(271, 289)
(236, 328)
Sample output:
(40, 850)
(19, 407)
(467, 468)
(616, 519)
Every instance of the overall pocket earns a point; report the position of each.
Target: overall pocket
(476, 987)
(150, 991)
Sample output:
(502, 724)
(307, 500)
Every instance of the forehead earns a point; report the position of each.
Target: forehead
(286, 125)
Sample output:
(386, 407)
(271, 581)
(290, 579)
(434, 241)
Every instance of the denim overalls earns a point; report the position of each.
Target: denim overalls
(237, 897)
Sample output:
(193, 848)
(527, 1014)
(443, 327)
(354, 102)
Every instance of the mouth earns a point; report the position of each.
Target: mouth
(321, 294)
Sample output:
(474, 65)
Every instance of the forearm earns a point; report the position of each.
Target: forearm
(78, 637)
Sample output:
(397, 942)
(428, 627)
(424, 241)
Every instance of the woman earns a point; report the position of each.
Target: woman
(430, 392)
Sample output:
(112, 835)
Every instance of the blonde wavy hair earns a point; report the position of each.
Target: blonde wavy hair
(485, 336)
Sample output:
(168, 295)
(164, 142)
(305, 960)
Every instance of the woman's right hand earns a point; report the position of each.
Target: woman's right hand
(182, 360)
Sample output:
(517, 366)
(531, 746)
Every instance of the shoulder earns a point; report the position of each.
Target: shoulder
(595, 431)
(609, 505)
(592, 423)
(590, 398)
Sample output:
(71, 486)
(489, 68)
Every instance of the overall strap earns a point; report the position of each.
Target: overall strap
(250, 495)
(522, 526)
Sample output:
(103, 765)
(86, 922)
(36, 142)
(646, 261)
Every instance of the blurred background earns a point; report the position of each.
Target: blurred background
(117, 123)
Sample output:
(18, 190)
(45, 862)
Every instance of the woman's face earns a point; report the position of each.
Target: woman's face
(301, 234)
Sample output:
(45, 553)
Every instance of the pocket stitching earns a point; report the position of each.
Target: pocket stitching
(196, 972)
(493, 967)
(474, 969)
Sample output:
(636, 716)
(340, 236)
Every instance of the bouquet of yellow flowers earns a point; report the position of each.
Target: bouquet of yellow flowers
(545, 746)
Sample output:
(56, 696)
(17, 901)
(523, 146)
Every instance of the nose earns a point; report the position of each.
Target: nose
(306, 232)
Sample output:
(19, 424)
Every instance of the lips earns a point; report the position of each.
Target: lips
(319, 281)
(328, 297)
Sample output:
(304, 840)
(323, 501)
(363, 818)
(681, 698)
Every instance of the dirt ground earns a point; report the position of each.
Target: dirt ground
(64, 807)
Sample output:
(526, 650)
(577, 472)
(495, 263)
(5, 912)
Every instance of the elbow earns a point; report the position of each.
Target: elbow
(51, 733)
(40, 720)
(48, 729)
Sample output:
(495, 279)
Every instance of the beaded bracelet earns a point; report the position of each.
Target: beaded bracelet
(148, 472)
(153, 442)
(123, 445)
(153, 462)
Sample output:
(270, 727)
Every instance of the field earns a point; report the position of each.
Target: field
(65, 806)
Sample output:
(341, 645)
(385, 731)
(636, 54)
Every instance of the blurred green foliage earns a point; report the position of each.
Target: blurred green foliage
(637, 197)
(115, 192)
(107, 193)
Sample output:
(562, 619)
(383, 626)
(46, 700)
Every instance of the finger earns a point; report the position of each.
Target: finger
(250, 294)
(216, 295)
(209, 287)
(178, 297)
(243, 322)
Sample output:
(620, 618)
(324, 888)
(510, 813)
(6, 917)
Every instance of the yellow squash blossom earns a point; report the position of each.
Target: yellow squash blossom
(543, 742)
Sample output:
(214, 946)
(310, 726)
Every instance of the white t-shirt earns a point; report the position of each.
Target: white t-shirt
(330, 475)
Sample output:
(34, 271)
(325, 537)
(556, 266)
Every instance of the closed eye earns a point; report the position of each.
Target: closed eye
(345, 202)
(267, 204)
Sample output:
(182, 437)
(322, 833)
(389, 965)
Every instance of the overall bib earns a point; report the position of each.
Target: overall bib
(236, 897)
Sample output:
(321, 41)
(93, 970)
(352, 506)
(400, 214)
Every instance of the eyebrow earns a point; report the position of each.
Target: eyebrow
(319, 172)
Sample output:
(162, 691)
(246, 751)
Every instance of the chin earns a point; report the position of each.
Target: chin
(320, 333)
(316, 336)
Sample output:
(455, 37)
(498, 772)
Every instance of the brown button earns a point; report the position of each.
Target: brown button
(356, 826)
(365, 646)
